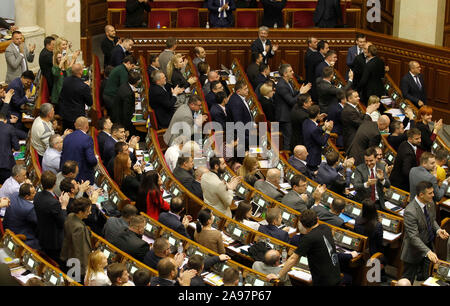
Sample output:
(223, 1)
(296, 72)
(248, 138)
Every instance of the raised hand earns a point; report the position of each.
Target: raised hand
(305, 88)
(8, 96)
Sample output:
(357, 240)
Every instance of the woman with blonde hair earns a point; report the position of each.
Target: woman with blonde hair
(174, 74)
(375, 115)
(95, 272)
(249, 170)
(61, 69)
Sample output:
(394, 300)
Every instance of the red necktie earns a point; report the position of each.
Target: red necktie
(372, 192)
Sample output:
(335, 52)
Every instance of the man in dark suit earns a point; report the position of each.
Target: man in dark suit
(8, 142)
(173, 220)
(315, 137)
(184, 173)
(104, 126)
(221, 13)
(51, 214)
(359, 63)
(334, 114)
(238, 110)
(137, 11)
(263, 45)
(329, 60)
(273, 12)
(22, 94)
(368, 135)
(168, 272)
(46, 61)
(79, 147)
(331, 216)
(218, 110)
(274, 219)
(75, 95)
(299, 114)
(262, 77)
(108, 44)
(327, 14)
(253, 68)
(210, 97)
(284, 99)
(397, 129)
(421, 229)
(130, 239)
(125, 102)
(371, 82)
(153, 65)
(412, 85)
(369, 180)
(163, 98)
(20, 216)
(326, 91)
(356, 50)
(329, 172)
(314, 60)
(117, 134)
(311, 58)
(352, 118)
(120, 51)
(298, 161)
(405, 160)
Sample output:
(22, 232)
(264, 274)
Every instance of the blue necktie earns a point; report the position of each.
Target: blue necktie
(429, 227)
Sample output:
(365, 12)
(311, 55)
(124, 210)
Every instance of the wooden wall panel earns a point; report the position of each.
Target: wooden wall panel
(395, 68)
(446, 41)
(211, 59)
(294, 58)
(441, 87)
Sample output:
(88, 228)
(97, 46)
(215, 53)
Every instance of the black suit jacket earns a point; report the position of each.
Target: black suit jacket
(404, 161)
(130, 186)
(124, 106)
(298, 115)
(334, 114)
(237, 111)
(46, 64)
(273, 12)
(284, 99)
(371, 82)
(117, 55)
(319, 69)
(101, 138)
(327, 93)
(359, 63)
(163, 102)
(411, 91)
(351, 120)
(187, 179)
(8, 141)
(179, 79)
(260, 79)
(257, 47)
(275, 232)
(131, 243)
(108, 150)
(268, 107)
(173, 222)
(367, 136)
(218, 115)
(327, 13)
(312, 59)
(210, 99)
(107, 48)
(252, 73)
(136, 14)
(75, 94)
(50, 219)
(150, 69)
(294, 162)
(214, 20)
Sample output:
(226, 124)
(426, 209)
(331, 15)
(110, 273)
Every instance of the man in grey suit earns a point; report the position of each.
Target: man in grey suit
(270, 186)
(328, 92)
(426, 172)
(331, 216)
(200, 56)
(370, 178)
(297, 198)
(17, 54)
(167, 54)
(421, 229)
(186, 113)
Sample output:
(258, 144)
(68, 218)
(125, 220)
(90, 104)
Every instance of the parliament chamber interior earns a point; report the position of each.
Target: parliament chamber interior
(224, 143)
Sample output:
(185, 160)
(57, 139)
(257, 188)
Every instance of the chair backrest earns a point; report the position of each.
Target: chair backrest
(246, 18)
(302, 19)
(187, 18)
(161, 16)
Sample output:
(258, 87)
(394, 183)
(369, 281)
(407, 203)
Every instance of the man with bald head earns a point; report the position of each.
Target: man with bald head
(368, 135)
(298, 161)
(271, 264)
(413, 86)
(212, 76)
(74, 97)
(271, 186)
(79, 146)
(108, 43)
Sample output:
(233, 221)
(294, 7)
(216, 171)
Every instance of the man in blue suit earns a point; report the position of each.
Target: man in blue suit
(221, 13)
(315, 137)
(237, 108)
(356, 50)
(274, 220)
(8, 141)
(22, 94)
(79, 146)
(218, 110)
(172, 218)
(330, 172)
(298, 161)
(20, 216)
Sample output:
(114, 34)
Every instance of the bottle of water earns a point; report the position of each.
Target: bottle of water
(207, 25)
(281, 176)
(180, 248)
(287, 26)
(284, 255)
(275, 25)
(158, 25)
(241, 279)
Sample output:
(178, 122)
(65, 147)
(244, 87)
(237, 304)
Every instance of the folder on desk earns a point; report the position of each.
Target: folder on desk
(345, 217)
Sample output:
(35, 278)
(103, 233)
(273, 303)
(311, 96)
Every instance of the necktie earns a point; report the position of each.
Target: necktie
(429, 227)
(222, 13)
(372, 188)
(418, 82)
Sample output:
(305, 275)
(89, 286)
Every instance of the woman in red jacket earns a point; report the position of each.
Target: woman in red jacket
(150, 194)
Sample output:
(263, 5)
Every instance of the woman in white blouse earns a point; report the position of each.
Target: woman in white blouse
(244, 213)
(96, 274)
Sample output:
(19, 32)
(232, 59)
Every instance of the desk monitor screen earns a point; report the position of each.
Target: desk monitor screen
(105, 187)
(53, 280)
(226, 176)
(356, 211)
(172, 241)
(241, 191)
(175, 191)
(163, 177)
(330, 200)
(304, 260)
(285, 215)
(97, 174)
(29, 262)
(347, 240)
(237, 232)
(115, 198)
(309, 189)
(390, 157)
(10, 246)
(258, 282)
(395, 196)
(254, 112)
(155, 164)
(386, 222)
(435, 146)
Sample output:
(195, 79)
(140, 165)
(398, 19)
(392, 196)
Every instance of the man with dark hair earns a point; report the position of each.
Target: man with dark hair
(200, 56)
(186, 116)
(108, 44)
(370, 179)
(20, 216)
(17, 55)
(122, 147)
(253, 69)
(359, 64)
(412, 85)
(120, 51)
(397, 129)
(8, 142)
(356, 50)
(218, 110)
(262, 77)
(118, 274)
(274, 219)
(167, 54)
(153, 65)
(299, 114)
(284, 99)
(315, 137)
(405, 160)
(200, 264)
(130, 239)
(221, 13)
(312, 58)
(421, 229)
(237, 107)
(118, 77)
(184, 173)
(331, 216)
(172, 218)
(124, 102)
(327, 14)
(141, 277)
(70, 170)
(329, 60)
(371, 83)
(326, 91)
(230, 277)
(161, 249)
(322, 47)
(115, 225)
(216, 86)
(46, 61)
(217, 193)
(22, 95)
(117, 134)
(329, 172)
(137, 13)
(51, 214)
(424, 173)
(168, 272)
(297, 198)
(104, 126)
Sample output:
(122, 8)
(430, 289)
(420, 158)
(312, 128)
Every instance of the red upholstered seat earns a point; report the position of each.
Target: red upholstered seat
(163, 17)
(246, 18)
(45, 93)
(302, 19)
(187, 18)
(98, 81)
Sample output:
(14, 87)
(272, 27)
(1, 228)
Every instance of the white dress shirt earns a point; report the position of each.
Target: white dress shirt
(171, 156)
(9, 187)
(51, 160)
